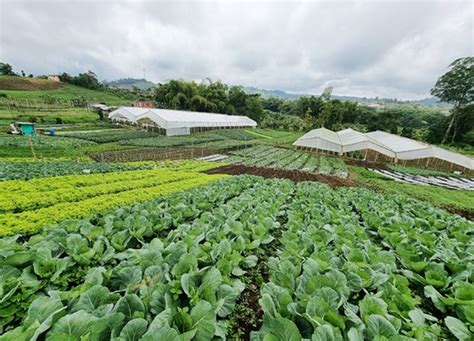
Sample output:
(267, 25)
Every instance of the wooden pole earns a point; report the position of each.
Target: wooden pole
(30, 140)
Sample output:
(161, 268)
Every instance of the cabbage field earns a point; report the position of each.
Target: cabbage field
(214, 257)
(281, 158)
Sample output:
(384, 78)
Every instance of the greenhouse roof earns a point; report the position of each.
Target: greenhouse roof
(391, 145)
(167, 118)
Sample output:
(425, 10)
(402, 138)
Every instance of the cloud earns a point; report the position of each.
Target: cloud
(365, 48)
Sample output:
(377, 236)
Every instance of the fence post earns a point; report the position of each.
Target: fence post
(30, 140)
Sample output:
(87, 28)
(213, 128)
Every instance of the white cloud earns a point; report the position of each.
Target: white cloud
(368, 48)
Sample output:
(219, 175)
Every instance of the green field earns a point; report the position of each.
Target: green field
(52, 116)
(66, 93)
(461, 201)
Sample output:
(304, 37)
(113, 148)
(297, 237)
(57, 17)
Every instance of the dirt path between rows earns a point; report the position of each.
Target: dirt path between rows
(294, 175)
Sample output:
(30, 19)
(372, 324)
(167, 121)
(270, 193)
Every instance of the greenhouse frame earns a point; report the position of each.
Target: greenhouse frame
(380, 146)
(179, 122)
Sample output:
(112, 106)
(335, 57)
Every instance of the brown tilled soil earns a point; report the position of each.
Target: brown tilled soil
(365, 164)
(296, 176)
(22, 83)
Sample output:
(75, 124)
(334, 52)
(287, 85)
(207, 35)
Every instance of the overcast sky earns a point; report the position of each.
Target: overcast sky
(361, 48)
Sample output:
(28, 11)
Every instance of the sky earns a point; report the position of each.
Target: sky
(393, 49)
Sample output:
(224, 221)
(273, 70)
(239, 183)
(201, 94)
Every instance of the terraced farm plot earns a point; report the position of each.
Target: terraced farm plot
(244, 258)
(280, 158)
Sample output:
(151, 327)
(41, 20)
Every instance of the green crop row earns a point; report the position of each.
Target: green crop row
(18, 202)
(31, 170)
(42, 141)
(164, 141)
(100, 199)
(109, 135)
(268, 156)
(178, 165)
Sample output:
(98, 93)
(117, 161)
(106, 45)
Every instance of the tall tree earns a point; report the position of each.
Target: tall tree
(457, 87)
(6, 70)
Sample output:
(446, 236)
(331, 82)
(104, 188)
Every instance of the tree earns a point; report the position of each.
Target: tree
(65, 77)
(6, 70)
(87, 80)
(457, 87)
(254, 107)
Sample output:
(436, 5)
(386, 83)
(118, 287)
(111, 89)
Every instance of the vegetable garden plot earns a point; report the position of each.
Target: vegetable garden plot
(237, 134)
(43, 141)
(27, 206)
(268, 156)
(110, 135)
(30, 170)
(164, 141)
(179, 267)
(335, 278)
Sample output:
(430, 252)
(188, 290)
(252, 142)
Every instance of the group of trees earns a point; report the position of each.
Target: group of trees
(308, 112)
(208, 96)
(86, 80)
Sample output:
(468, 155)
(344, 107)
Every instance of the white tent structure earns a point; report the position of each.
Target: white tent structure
(392, 146)
(177, 122)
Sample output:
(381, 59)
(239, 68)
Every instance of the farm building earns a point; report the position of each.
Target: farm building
(177, 122)
(379, 146)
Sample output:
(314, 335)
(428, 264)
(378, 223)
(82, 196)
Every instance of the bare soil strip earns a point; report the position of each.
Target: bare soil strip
(293, 175)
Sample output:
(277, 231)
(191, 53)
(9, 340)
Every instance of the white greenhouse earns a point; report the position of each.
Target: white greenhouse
(384, 147)
(178, 122)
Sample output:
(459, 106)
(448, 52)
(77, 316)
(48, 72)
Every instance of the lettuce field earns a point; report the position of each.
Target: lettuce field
(214, 257)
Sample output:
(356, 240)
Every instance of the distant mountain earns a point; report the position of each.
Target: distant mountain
(429, 101)
(272, 93)
(131, 83)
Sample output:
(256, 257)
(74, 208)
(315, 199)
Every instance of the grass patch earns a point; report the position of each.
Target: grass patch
(258, 134)
(285, 140)
(271, 132)
(461, 201)
(420, 171)
(66, 115)
(64, 93)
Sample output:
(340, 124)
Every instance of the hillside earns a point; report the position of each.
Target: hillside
(131, 83)
(49, 92)
(428, 101)
(21, 83)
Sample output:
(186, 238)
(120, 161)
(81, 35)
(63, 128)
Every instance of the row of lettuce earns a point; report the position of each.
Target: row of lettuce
(26, 206)
(349, 264)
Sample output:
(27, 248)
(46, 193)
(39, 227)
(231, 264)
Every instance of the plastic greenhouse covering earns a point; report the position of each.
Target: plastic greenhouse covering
(178, 122)
(394, 146)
